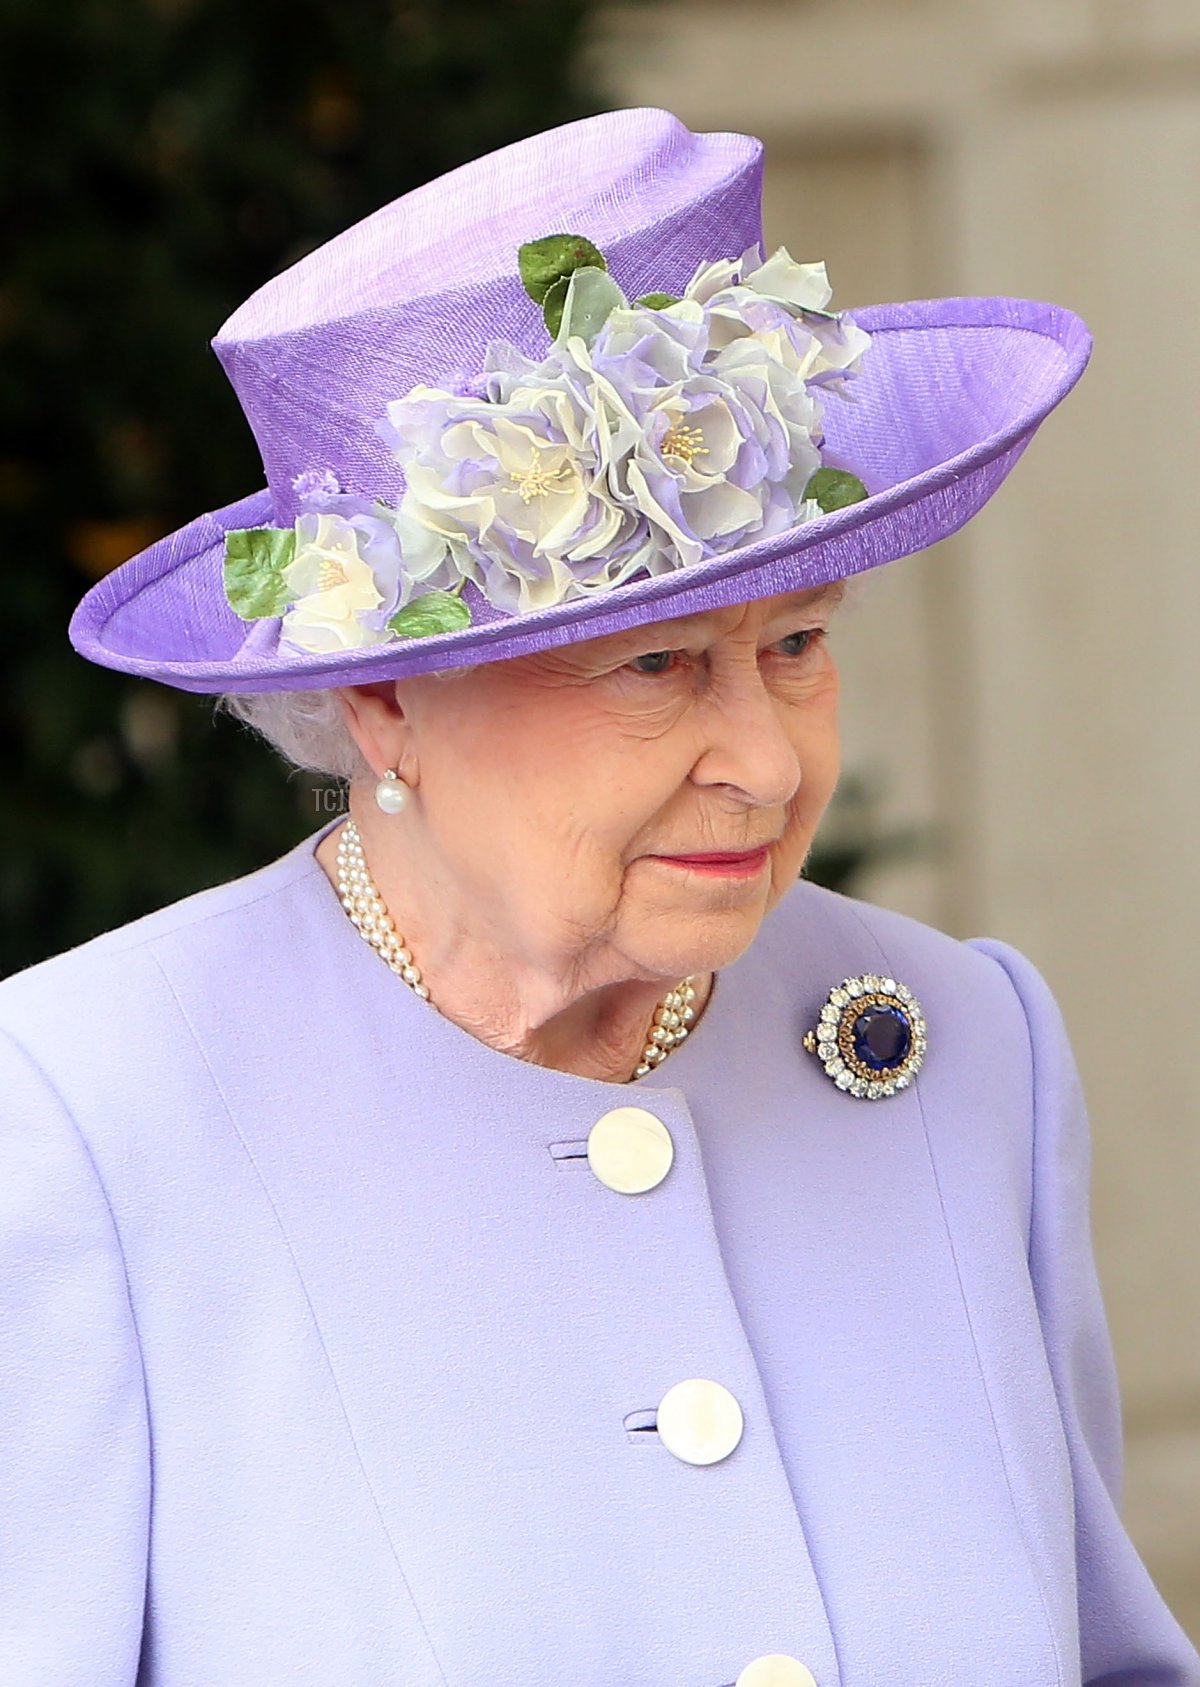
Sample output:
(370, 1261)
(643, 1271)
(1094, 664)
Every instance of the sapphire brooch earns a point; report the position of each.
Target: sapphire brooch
(870, 1037)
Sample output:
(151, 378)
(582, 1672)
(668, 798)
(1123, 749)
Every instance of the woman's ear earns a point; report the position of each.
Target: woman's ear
(376, 720)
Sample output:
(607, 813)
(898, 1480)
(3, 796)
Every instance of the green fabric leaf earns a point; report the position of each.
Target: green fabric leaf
(555, 258)
(436, 612)
(657, 301)
(834, 489)
(553, 303)
(255, 558)
(591, 295)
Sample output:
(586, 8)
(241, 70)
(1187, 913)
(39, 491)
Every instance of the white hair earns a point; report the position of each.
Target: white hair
(308, 728)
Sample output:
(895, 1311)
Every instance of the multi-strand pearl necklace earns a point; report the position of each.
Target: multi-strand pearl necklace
(366, 908)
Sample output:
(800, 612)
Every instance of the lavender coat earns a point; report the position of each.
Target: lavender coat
(326, 1359)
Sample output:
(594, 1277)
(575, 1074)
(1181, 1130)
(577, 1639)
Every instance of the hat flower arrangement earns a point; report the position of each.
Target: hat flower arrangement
(445, 485)
(654, 434)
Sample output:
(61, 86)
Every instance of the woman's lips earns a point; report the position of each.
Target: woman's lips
(741, 864)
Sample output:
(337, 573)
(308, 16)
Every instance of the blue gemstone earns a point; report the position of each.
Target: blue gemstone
(882, 1037)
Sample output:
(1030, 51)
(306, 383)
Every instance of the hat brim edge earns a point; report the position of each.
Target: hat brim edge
(657, 597)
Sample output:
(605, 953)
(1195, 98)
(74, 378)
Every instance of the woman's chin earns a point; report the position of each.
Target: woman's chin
(687, 944)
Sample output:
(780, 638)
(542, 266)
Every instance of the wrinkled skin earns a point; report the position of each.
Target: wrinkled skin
(524, 871)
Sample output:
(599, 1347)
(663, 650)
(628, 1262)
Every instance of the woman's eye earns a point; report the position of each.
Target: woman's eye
(663, 661)
(653, 662)
(799, 644)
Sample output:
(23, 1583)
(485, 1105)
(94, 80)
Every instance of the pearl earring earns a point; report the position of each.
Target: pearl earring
(391, 793)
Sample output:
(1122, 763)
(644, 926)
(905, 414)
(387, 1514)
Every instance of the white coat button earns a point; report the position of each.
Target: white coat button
(776, 1669)
(699, 1421)
(630, 1150)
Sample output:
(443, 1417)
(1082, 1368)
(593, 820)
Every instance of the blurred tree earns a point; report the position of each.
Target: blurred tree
(159, 160)
(856, 834)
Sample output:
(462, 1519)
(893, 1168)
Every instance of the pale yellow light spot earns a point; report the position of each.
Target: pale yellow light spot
(684, 443)
(536, 481)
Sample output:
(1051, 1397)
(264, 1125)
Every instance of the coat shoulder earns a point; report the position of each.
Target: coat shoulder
(107, 985)
(984, 999)
(876, 939)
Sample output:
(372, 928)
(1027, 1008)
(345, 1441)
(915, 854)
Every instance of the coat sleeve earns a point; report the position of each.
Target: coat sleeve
(1128, 1637)
(74, 1446)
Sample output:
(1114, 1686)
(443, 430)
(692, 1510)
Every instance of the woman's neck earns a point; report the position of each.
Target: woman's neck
(594, 1032)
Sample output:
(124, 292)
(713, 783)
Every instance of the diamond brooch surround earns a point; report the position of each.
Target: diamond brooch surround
(870, 1037)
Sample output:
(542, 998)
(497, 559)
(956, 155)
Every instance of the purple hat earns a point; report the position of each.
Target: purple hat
(456, 476)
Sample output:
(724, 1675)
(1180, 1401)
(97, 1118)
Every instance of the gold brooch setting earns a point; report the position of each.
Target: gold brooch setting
(871, 1037)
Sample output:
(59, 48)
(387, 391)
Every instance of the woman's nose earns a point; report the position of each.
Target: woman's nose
(749, 748)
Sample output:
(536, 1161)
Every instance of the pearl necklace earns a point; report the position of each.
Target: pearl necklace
(361, 899)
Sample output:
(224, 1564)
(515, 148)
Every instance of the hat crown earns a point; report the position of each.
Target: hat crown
(414, 293)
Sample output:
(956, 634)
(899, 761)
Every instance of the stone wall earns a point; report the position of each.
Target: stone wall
(1043, 666)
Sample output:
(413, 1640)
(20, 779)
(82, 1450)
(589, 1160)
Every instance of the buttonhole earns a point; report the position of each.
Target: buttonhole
(640, 1426)
(569, 1150)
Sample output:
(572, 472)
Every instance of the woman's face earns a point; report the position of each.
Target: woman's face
(560, 793)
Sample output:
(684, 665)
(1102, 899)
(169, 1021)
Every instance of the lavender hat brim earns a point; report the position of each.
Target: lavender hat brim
(953, 392)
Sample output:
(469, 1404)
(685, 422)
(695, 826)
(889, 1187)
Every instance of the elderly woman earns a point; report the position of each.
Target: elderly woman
(527, 1234)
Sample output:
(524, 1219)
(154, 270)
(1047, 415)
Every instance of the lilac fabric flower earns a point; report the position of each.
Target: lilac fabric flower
(711, 450)
(646, 440)
(315, 486)
(516, 488)
(355, 564)
(784, 303)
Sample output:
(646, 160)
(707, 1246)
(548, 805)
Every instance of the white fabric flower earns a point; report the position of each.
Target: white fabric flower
(333, 587)
(713, 450)
(767, 300)
(516, 487)
(651, 439)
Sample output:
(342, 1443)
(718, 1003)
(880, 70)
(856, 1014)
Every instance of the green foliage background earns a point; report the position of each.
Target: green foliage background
(159, 160)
